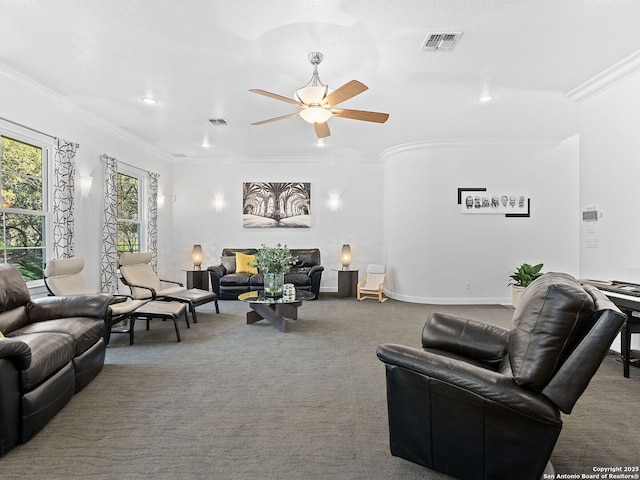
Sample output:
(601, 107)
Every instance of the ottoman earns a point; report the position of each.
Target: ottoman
(158, 309)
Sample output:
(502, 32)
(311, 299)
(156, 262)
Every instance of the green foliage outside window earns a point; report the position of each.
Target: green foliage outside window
(22, 237)
(128, 214)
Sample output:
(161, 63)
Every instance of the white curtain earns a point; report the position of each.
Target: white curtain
(152, 226)
(109, 267)
(64, 170)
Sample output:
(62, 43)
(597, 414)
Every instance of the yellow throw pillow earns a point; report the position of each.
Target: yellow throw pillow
(1, 335)
(243, 261)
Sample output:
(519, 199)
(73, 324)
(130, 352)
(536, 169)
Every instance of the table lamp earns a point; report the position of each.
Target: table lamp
(196, 257)
(345, 258)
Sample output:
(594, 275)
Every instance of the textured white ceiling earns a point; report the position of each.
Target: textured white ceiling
(199, 58)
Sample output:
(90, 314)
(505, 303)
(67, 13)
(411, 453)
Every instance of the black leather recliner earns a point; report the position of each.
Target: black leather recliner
(50, 348)
(482, 402)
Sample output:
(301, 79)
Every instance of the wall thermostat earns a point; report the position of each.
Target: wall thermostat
(590, 215)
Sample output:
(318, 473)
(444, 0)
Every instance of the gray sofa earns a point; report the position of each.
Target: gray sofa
(50, 348)
(228, 284)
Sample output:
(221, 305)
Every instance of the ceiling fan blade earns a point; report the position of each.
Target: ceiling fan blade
(376, 117)
(276, 96)
(322, 129)
(345, 92)
(269, 120)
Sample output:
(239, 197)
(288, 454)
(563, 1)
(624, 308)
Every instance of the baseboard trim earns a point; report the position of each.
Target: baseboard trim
(449, 300)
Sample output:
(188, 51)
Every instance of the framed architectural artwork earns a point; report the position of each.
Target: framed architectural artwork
(481, 201)
(276, 205)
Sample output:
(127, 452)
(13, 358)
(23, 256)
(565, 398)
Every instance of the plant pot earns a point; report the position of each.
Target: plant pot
(516, 293)
(273, 285)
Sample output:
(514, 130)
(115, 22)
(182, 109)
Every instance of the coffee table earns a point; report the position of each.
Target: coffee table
(274, 310)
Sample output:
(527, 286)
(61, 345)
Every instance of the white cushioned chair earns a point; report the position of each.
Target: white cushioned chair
(136, 272)
(63, 276)
(372, 284)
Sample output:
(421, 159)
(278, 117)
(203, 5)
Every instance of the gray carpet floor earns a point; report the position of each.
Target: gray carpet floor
(238, 401)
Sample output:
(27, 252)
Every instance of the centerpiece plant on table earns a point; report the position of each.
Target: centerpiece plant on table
(273, 263)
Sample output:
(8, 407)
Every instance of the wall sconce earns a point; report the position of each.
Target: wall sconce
(218, 203)
(196, 257)
(160, 200)
(345, 257)
(85, 185)
(334, 202)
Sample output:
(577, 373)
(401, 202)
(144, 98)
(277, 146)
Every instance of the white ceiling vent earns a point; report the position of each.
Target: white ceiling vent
(440, 42)
(219, 122)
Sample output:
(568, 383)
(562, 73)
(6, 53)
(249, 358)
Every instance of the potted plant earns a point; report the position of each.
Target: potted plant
(273, 262)
(521, 278)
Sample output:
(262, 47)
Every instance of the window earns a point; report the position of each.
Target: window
(23, 209)
(130, 222)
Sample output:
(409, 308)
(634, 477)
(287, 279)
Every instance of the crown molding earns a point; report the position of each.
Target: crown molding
(14, 79)
(611, 76)
(271, 159)
(18, 81)
(473, 143)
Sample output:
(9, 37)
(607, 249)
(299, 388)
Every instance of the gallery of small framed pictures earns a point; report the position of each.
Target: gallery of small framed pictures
(483, 201)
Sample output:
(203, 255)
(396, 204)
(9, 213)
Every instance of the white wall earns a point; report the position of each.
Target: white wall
(33, 106)
(609, 175)
(436, 254)
(401, 209)
(357, 222)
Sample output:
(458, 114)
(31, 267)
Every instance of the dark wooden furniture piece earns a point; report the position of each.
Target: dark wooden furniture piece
(198, 279)
(274, 310)
(162, 310)
(625, 296)
(347, 283)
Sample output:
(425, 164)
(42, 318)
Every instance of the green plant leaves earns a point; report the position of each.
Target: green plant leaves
(525, 274)
(276, 259)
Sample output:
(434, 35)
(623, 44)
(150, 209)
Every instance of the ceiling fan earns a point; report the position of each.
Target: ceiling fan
(318, 103)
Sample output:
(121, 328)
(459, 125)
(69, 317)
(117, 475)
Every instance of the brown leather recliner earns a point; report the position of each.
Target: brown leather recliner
(50, 348)
(482, 402)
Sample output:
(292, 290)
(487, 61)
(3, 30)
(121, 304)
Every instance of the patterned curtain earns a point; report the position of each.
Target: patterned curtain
(64, 170)
(108, 268)
(152, 226)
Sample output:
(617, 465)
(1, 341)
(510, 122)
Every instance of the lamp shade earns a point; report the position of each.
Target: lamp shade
(315, 114)
(345, 257)
(196, 257)
(311, 94)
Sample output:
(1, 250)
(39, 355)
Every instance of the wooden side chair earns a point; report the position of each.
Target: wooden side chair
(372, 284)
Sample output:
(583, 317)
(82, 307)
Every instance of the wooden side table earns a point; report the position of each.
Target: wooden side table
(347, 283)
(198, 279)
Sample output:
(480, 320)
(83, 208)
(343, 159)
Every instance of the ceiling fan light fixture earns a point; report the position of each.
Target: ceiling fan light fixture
(314, 92)
(318, 103)
(311, 94)
(315, 114)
